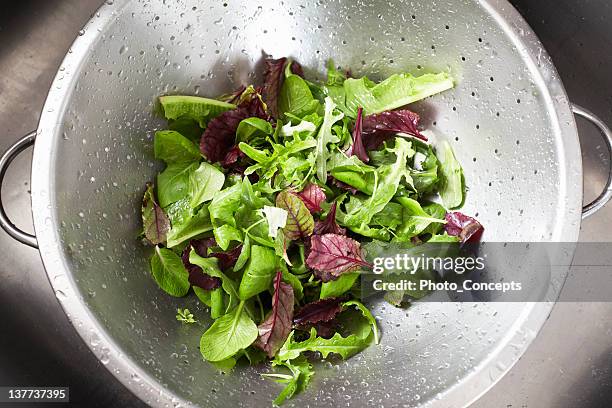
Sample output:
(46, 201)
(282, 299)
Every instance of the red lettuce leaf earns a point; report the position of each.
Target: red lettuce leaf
(296, 69)
(276, 328)
(329, 225)
(220, 134)
(273, 80)
(331, 255)
(462, 226)
(312, 195)
(380, 127)
(300, 223)
(357, 148)
(323, 310)
(154, 221)
(197, 277)
(341, 185)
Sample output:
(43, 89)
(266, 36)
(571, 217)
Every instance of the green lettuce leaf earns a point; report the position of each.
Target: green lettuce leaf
(173, 182)
(204, 183)
(258, 273)
(338, 287)
(190, 227)
(324, 137)
(296, 98)
(451, 177)
(415, 219)
(192, 107)
(396, 91)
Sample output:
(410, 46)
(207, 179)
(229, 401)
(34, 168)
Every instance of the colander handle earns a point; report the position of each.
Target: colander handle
(5, 162)
(606, 195)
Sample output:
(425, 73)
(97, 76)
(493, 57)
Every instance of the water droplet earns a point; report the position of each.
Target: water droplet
(123, 49)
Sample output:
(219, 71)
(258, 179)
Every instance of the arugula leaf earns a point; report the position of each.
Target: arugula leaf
(172, 147)
(338, 287)
(192, 107)
(258, 273)
(191, 226)
(173, 183)
(296, 98)
(169, 273)
(154, 221)
(204, 183)
(300, 222)
(388, 177)
(228, 335)
(324, 137)
(451, 177)
(396, 91)
(274, 330)
(343, 346)
(367, 314)
(296, 382)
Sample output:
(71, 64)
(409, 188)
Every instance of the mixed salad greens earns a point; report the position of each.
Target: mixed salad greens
(274, 199)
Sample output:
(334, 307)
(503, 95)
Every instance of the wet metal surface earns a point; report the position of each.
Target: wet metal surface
(568, 364)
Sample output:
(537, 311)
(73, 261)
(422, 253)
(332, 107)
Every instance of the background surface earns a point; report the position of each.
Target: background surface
(568, 365)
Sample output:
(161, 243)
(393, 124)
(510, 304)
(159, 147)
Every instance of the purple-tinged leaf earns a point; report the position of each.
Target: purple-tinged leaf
(227, 259)
(312, 195)
(382, 126)
(273, 80)
(332, 255)
(232, 157)
(276, 328)
(220, 134)
(462, 226)
(341, 185)
(323, 310)
(300, 223)
(357, 148)
(296, 69)
(154, 221)
(329, 225)
(197, 277)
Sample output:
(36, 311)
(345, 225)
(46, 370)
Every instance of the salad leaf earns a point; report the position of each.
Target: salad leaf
(425, 172)
(396, 91)
(339, 286)
(249, 128)
(225, 234)
(184, 316)
(273, 79)
(276, 218)
(367, 314)
(225, 204)
(357, 148)
(323, 310)
(300, 223)
(193, 107)
(197, 277)
(220, 134)
(329, 225)
(210, 266)
(173, 182)
(343, 346)
(294, 281)
(275, 329)
(451, 177)
(258, 273)
(380, 127)
(415, 219)
(324, 137)
(204, 183)
(464, 227)
(228, 335)
(296, 382)
(192, 226)
(169, 273)
(389, 177)
(332, 255)
(312, 195)
(172, 147)
(154, 221)
(296, 98)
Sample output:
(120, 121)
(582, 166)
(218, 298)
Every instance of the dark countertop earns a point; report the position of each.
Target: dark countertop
(568, 365)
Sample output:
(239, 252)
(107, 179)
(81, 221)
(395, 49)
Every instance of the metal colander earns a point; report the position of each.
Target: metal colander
(508, 121)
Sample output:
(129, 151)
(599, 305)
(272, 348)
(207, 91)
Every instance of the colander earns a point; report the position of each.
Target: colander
(508, 120)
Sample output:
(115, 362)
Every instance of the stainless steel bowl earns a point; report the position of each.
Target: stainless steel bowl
(509, 121)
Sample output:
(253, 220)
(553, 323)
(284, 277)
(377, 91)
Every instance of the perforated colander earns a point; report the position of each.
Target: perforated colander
(508, 120)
